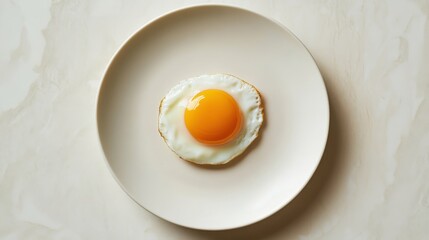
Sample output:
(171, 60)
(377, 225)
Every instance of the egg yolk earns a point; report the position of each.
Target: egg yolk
(213, 117)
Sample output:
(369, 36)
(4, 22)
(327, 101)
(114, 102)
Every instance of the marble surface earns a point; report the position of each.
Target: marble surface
(372, 183)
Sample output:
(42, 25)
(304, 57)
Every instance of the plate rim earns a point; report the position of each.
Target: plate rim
(190, 7)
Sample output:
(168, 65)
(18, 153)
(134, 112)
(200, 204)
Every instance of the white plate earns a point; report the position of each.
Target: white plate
(204, 40)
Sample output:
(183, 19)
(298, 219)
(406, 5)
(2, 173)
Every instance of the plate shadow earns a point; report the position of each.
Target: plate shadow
(307, 203)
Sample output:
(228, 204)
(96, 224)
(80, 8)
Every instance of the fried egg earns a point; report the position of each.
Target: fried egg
(210, 119)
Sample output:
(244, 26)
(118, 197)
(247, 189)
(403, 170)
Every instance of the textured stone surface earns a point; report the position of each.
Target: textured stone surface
(372, 182)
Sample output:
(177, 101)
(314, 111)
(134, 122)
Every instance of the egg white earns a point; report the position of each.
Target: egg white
(171, 123)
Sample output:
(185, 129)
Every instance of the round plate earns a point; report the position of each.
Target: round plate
(206, 40)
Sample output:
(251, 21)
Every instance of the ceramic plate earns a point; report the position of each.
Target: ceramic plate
(206, 40)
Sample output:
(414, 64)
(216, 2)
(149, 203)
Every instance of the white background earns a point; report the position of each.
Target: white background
(372, 183)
